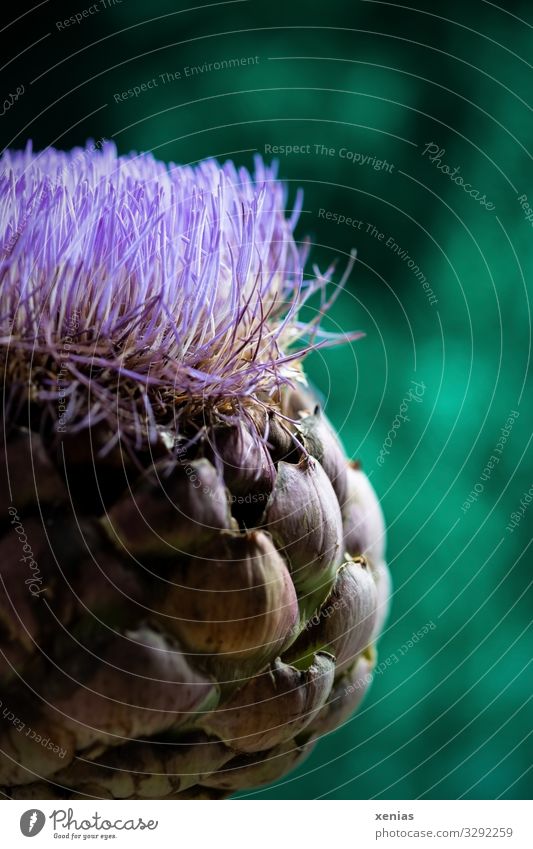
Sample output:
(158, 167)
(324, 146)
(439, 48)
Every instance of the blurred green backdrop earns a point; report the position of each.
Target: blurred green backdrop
(363, 88)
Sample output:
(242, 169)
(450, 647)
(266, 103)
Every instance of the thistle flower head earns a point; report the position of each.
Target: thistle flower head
(131, 286)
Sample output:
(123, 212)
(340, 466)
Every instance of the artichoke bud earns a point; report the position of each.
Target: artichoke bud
(364, 526)
(274, 706)
(304, 519)
(133, 685)
(346, 695)
(19, 621)
(165, 514)
(237, 603)
(184, 613)
(322, 443)
(346, 620)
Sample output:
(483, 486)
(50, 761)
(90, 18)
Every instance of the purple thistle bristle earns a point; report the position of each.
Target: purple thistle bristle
(137, 285)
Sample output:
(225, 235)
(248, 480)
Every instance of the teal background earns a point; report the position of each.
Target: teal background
(451, 717)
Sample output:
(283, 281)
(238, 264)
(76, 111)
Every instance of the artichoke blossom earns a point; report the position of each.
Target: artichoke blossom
(193, 572)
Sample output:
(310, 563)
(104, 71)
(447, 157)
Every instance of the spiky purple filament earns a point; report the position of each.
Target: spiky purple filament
(176, 279)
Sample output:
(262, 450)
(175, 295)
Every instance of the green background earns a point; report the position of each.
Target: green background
(449, 718)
